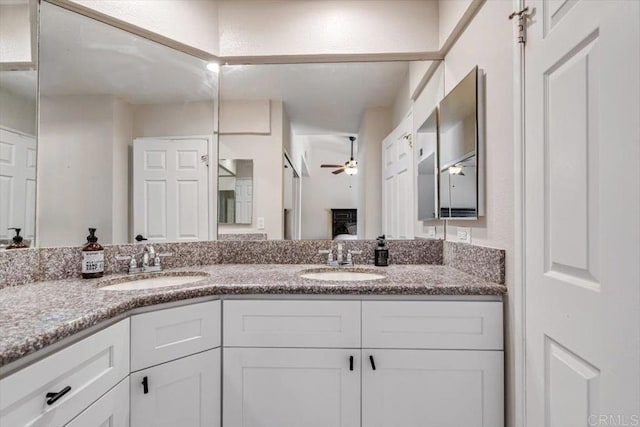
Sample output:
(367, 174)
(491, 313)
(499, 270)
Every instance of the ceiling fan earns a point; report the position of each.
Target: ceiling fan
(350, 167)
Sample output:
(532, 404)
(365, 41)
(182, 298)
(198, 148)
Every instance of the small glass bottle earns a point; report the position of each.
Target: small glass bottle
(17, 242)
(382, 253)
(92, 257)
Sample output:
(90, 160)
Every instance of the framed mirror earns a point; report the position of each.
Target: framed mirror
(18, 120)
(427, 140)
(126, 134)
(297, 121)
(461, 142)
(235, 192)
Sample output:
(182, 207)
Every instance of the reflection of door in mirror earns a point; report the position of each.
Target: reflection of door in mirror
(17, 184)
(292, 201)
(170, 189)
(235, 193)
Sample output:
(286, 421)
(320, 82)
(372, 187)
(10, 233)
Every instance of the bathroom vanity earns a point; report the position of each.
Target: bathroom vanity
(263, 348)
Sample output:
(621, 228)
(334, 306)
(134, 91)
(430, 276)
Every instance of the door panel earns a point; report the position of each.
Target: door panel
(439, 388)
(582, 205)
(182, 393)
(269, 387)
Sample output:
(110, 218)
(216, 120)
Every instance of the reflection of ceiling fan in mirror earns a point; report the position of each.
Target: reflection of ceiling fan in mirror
(350, 167)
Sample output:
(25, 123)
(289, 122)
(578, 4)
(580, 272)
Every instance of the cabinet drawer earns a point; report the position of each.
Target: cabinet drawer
(111, 410)
(453, 325)
(292, 324)
(89, 367)
(164, 335)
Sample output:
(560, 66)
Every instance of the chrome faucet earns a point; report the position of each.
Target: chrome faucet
(339, 260)
(150, 260)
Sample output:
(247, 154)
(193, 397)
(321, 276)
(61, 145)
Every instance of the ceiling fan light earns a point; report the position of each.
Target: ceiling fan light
(351, 170)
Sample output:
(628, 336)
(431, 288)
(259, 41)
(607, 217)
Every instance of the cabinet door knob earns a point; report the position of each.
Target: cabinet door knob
(373, 363)
(351, 363)
(145, 385)
(52, 397)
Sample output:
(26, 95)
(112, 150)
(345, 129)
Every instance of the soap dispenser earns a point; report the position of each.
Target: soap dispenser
(17, 241)
(92, 257)
(382, 252)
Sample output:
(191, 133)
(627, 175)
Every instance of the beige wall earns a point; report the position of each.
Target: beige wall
(191, 22)
(177, 119)
(15, 33)
(449, 14)
(266, 152)
(327, 27)
(375, 126)
(17, 113)
(75, 169)
(488, 42)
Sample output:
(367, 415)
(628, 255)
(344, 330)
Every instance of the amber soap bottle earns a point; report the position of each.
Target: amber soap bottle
(92, 257)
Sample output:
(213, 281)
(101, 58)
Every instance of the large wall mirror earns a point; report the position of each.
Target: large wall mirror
(126, 131)
(461, 118)
(18, 120)
(297, 122)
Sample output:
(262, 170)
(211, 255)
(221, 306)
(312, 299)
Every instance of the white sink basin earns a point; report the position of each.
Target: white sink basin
(135, 284)
(342, 276)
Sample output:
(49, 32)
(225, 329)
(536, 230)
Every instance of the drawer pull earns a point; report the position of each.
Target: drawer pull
(145, 385)
(351, 363)
(52, 397)
(373, 363)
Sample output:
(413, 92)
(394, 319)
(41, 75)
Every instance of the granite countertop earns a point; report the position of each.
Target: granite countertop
(36, 315)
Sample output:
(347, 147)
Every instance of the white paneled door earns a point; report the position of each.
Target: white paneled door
(170, 189)
(398, 182)
(17, 183)
(582, 214)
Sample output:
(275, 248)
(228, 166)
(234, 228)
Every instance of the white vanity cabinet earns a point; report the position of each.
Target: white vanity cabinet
(111, 410)
(54, 390)
(432, 364)
(417, 363)
(290, 387)
(175, 356)
(290, 363)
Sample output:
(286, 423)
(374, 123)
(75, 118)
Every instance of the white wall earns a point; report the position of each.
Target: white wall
(375, 126)
(489, 43)
(17, 112)
(75, 169)
(191, 22)
(15, 33)
(323, 191)
(266, 152)
(277, 27)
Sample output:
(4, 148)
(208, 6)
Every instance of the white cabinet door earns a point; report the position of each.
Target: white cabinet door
(111, 410)
(432, 388)
(278, 387)
(182, 393)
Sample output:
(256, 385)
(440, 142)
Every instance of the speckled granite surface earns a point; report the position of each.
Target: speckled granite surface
(487, 263)
(36, 315)
(18, 267)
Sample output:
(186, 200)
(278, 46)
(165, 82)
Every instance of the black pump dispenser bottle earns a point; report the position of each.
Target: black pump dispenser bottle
(382, 253)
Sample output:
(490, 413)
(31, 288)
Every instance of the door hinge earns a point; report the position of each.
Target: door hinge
(522, 15)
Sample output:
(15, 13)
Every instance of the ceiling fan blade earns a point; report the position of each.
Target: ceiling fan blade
(331, 166)
(336, 172)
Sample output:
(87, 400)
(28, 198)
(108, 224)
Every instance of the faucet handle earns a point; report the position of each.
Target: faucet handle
(124, 257)
(329, 253)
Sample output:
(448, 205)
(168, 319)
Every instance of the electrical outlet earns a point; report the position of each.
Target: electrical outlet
(260, 223)
(464, 235)
(431, 231)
